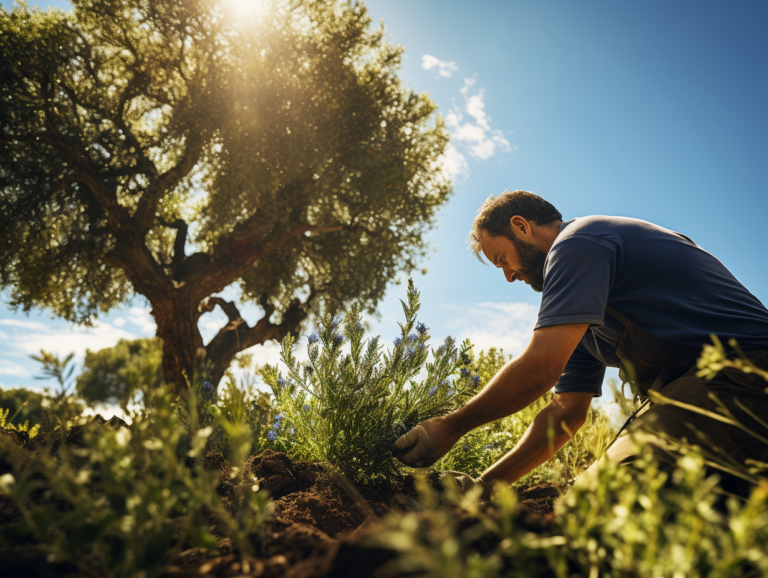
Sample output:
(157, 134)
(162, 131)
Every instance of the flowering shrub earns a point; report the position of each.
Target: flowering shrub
(347, 408)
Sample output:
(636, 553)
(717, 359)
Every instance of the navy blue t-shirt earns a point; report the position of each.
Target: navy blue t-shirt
(659, 279)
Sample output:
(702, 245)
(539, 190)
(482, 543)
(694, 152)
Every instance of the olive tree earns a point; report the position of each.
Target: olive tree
(175, 148)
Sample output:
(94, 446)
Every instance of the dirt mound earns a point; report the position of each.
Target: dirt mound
(540, 500)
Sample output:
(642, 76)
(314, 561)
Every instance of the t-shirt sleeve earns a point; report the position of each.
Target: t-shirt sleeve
(579, 274)
(583, 373)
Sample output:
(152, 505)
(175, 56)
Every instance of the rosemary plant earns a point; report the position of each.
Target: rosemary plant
(350, 400)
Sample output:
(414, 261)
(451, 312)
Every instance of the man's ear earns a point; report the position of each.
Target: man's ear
(520, 227)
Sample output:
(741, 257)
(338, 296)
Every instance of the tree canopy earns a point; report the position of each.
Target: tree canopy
(110, 375)
(174, 148)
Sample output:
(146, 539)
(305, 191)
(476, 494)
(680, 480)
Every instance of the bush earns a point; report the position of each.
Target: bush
(124, 499)
(347, 409)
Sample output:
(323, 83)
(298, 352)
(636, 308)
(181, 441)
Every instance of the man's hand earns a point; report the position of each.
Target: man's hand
(427, 442)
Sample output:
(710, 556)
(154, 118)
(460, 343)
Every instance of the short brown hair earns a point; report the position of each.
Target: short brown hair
(495, 213)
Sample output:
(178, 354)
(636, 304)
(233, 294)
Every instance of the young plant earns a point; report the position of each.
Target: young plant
(347, 408)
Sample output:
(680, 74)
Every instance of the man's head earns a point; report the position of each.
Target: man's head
(515, 232)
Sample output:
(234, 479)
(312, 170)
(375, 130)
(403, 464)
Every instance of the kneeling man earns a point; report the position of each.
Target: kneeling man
(616, 292)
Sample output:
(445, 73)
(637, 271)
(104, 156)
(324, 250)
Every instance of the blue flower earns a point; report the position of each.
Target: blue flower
(464, 372)
(280, 382)
(208, 386)
(271, 435)
(410, 351)
(359, 326)
(338, 340)
(421, 328)
(413, 337)
(397, 341)
(466, 447)
(476, 379)
(308, 369)
(312, 339)
(306, 407)
(433, 391)
(420, 347)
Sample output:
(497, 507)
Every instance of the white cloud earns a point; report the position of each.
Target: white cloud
(31, 325)
(75, 340)
(475, 134)
(11, 368)
(120, 321)
(444, 68)
(506, 325)
(141, 318)
(454, 164)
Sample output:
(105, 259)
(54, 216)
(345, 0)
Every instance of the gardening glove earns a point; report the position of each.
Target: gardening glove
(425, 444)
(465, 483)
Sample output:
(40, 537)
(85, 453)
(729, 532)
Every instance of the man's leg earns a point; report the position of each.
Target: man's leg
(723, 443)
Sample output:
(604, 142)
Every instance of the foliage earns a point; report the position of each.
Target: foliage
(108, 374)
(125, 503)
(347, 409)
(624, 522)
(239, 408)
(25, 404)
(6, 423)
(281, 149)
(63, 404)
(59, 369)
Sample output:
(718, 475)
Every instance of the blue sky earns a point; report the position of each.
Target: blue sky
(654, 110)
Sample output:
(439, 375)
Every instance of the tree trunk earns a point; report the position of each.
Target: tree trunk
(183, 350)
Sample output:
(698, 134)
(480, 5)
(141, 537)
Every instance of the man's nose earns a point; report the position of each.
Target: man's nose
(509, 275)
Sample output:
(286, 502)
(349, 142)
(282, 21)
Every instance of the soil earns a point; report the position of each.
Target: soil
(319, 520)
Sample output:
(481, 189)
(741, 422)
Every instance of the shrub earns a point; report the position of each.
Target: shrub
(346, 409)
(125, 502)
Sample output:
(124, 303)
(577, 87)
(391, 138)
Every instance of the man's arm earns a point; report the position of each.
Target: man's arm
(519, 383)
(536, 446)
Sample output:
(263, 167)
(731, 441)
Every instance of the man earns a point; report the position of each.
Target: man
(615, 292)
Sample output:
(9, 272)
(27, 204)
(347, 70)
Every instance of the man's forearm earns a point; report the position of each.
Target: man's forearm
(535, 447)
(512, 389)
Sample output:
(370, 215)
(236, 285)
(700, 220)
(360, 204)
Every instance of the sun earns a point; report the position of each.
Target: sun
(256, 9)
